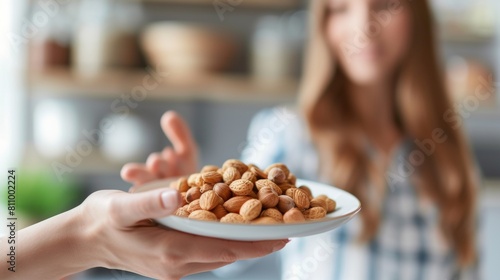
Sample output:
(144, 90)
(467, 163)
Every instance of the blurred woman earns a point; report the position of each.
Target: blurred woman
(372, 119)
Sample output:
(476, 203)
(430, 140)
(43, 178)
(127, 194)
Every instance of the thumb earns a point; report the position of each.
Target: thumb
(134, 207)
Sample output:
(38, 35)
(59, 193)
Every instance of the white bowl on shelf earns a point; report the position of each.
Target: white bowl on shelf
(187, 48)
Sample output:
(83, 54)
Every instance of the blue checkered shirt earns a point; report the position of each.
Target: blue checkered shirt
(408, 245)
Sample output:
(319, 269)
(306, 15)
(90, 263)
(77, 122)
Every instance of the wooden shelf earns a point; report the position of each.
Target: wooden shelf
(265, 4)
(112, 84)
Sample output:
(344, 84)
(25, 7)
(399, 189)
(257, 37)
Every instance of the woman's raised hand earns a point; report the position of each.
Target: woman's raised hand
(181, 159)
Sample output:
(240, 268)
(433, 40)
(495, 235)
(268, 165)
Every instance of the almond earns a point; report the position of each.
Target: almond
(233, 218)
(268, 197)
(265, 221)
(219, 211)
(181, 212)
(251, 209)
(268, 183)
(240, 193)
(250, 165)
(301, 199)
(231, 174)
(241, 187)
(193, 206)
(234, 204)
(290, 192)
(259, 174)
(291, 178)
(211, 177)
(193, 194)
(236, 164)
(293, 216)
(322, 196)
(279, 165)
(181, 184)
(195, 180)
(273, 213)
(276, 175)
(285, 187)
(203, 215)
(249, 176)
(207, 168)
(315, 213)
(285, 203)
(223, 190)
(183, 200)
(318, 202)
(331, 205)
(206, 187)
(209, 200)
(185, 207)
(307, 190)
(253, 195)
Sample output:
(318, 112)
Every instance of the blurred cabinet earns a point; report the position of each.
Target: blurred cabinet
(236, 87)
(219, 101)
(468, 35)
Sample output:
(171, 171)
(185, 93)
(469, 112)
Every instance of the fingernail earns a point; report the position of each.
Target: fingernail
(170, 199)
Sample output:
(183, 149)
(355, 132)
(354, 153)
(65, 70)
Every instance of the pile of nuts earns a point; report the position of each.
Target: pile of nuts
(240, 193)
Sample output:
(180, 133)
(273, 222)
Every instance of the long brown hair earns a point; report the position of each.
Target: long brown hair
(446, 176)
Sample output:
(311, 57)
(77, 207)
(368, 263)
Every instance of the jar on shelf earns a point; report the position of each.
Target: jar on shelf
(106, 36)
(50, 45)
(276, 45)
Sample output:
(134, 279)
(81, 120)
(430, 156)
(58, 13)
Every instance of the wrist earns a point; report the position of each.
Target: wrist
(81, 233)
(78, 252)
(92, 233)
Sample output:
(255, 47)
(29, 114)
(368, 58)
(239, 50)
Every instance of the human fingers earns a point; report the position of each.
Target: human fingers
(136, 173)
(177, 130)
(204, 249)
(157, 165)
(175, 163)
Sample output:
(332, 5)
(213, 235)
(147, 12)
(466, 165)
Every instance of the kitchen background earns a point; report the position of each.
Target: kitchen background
(84, 83)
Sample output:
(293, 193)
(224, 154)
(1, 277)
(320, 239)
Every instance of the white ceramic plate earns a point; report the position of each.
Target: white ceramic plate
(347, 207)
